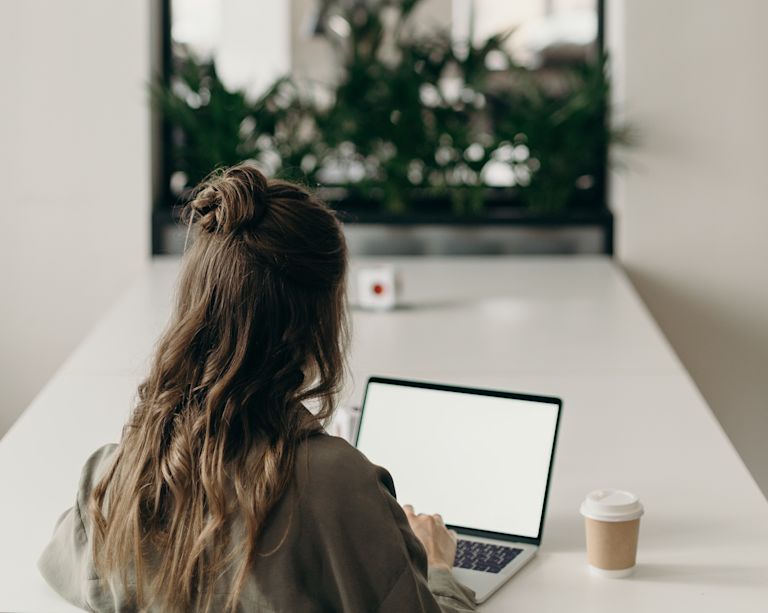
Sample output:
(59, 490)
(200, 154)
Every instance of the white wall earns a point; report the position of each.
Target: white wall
(74, 177)
(249, 41)
(693, 207)
(313, 59)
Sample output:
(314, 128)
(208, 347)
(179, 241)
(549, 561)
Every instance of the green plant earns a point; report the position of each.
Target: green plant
(411, 117)
(562, 124)
(206, 119)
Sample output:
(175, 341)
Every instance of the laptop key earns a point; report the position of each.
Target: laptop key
(484, 557)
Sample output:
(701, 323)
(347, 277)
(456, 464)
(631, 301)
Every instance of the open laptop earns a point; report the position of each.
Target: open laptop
(480, 458)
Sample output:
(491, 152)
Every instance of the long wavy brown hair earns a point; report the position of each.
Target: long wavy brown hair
(258, 330)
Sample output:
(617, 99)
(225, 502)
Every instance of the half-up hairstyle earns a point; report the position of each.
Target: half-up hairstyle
(259, 329)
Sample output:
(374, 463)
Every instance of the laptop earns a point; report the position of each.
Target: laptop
(480, 458)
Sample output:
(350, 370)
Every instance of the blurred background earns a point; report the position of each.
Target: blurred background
(632, 129)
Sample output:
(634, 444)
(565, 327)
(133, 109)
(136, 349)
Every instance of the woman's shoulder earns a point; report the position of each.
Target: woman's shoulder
(326, 447)
(330, 465)
(93, 469)
(332, 456)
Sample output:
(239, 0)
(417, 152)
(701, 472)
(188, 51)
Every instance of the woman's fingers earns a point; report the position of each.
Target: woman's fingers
(436, 517)
(438, 541)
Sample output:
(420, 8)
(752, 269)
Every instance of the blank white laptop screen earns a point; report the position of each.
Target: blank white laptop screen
(482, 462)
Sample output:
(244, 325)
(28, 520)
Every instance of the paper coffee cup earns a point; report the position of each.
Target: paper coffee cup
(612, 522)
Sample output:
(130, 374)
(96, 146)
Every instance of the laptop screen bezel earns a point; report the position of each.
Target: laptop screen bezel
(480, 392)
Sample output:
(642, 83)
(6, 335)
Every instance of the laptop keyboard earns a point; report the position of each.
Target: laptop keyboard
(486, 557)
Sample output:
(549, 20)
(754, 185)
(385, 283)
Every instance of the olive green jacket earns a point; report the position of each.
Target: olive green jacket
(348, 548)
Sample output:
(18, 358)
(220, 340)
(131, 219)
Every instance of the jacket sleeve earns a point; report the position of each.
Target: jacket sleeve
(418, 582)
(67, 562)
(364, 555)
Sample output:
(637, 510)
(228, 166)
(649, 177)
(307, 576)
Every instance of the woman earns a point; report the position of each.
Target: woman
(224, 492)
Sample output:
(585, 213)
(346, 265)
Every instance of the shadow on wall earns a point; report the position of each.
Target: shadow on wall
(725, 348)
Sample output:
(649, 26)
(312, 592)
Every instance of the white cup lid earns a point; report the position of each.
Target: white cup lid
(611, 505)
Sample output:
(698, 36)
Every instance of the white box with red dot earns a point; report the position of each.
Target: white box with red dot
(377, 288)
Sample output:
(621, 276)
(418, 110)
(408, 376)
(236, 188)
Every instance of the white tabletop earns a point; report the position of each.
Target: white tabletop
(570, 327)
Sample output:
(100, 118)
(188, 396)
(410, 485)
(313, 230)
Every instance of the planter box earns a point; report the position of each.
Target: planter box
(512, 231)
(577, 234)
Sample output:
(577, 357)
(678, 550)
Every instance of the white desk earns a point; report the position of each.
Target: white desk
(571, 327)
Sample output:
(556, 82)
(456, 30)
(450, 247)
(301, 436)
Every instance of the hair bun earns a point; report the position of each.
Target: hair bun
(230, 200)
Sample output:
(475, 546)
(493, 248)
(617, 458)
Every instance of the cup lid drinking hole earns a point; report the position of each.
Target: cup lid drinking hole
(611, 505)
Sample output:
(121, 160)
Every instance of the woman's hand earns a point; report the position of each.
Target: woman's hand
(439, 542)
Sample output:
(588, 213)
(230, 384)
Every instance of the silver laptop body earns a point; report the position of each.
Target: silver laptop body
(481, 458)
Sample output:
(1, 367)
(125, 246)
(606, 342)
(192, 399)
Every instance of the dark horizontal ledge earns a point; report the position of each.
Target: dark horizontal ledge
(494, 217)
